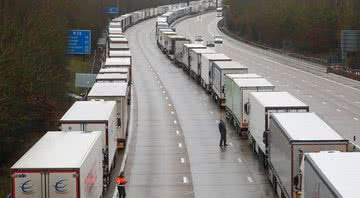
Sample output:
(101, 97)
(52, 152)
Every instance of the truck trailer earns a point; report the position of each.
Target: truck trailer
(114, 70)
(119, 54)
(118, 92)
(100, 116)
(291, 136)
(195, 61)
(261, 105)
(185, 59)
(239, 94)
(175, 46)
(219, 70)
(112, 78)
(331, 175)
(61, 165)
(206, 65)
(120, 62)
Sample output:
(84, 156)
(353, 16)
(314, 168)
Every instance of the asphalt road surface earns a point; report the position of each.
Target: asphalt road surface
(174, 151)
(334, 98)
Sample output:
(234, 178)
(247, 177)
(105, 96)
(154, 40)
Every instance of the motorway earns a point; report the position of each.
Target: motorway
(174, 149)
(334, 98)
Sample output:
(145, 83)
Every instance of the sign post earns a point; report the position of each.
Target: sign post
(79, 42)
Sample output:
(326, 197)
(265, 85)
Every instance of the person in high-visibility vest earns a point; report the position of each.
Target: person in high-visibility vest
(121, 183)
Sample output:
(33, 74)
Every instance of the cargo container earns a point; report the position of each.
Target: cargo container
(164, 41)
(331, 175)
(116, 36)
(118, 92)
(112, 78)
(291, 135)
(61, 165)
(115, 31)
(161, 25)
(119, 54)
(176, 45)
(261, 105)
(206, 64)
(118, 46)
(159, 37)
(219, 70)
(120, 62)
(239, 94)
(112, 70)
(229, 84)
(185, 58)
(195, 60)
(96, 116)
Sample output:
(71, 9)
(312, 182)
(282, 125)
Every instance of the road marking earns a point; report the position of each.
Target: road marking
(177, 132)
(185, 180)
(342, 96)
(277, 81)
(303, 80)
(182, 160)
(323, 103)
(161, 86)
(175, 122)
(297, 90)
(250, 179)
(180, 145)
(211, 112)
(230, 143)
(338, 110)
(169, 105)
(356, 119)
(310, 96)
(166, 98)
(357, 102)
(172, 112)
(217, 121)
(328, 90)
(239, 160)
(164, 92)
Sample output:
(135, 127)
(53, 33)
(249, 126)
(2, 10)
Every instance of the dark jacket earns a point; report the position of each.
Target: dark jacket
(222, 127)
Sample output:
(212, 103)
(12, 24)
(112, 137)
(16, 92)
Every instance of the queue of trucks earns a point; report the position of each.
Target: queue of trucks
(296, 147)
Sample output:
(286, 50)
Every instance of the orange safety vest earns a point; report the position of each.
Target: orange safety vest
(121, 181)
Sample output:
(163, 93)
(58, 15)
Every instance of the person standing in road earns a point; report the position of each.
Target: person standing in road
(222, 129)
(121, 183)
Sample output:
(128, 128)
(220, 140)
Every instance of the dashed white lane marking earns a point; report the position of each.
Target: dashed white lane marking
(180, 145)
(177, 132)
(286, 85)
(172, 112)
(310, 96)
(166, 98)
(324, 103)
(356, 119)
(164, 92)
(250, 179)
(277, 81)
(185, 180)
(175, 122)
(338, 110)
(211, 112)
(303, 80)
(342, 96)
(357, 102)
(328, 90)
(182, 160)
(169, 105)
(297, 90)
(161, 87)
(217, 121)
(230, 143)
(239, 160)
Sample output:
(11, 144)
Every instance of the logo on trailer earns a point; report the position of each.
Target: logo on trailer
(60, 187)
(27, 188)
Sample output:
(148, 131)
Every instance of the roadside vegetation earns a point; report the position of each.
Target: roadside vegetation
(35, 72)
(309, 27)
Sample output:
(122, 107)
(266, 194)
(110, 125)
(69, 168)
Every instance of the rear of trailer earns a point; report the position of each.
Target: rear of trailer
(185, 58)
(239, 94)
(123, 62)
(60, 165)
(291, 136)
(206, 64)
(219, 70)
(118, 92)
(195, 60)
(176, 46)
(261, 105)
(331, 175)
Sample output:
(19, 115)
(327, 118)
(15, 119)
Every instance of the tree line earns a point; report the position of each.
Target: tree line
(33, 62)
(309, 27)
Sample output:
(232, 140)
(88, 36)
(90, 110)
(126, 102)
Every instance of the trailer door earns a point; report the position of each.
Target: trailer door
(28, 184)
(63, 184)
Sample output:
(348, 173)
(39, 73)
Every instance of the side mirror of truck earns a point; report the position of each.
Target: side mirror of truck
(266, 138)
(247, 108)
(118, 122)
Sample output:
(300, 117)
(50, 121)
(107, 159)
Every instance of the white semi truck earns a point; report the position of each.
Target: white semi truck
(61, 165)
(195, 61)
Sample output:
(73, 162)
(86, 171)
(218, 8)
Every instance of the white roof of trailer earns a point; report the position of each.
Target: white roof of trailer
(112, 76)
(194, 45)
(89, 111)
(120, 53)
(204, 51)
(252, 82)
(217, 56)
(123, 46)
(339, 169)
(229, 65)
(236, 76)
(166, 30)
(167, 14)
(118, 39)
(115, 31)
(305, 127)
(177, 37)
(162, 23)
(118, 61)
(278, 99)
(58, 150)
(169, 33)
(116, 35)
(109, 89)
(114, 70)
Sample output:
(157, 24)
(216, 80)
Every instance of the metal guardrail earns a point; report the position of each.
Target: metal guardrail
(344, 71)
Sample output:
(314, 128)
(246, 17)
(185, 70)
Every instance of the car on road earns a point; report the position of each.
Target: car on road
(199, 39)
(218, 40)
